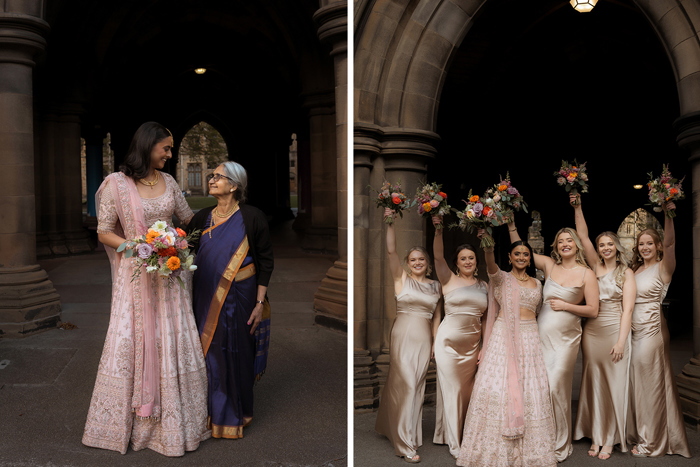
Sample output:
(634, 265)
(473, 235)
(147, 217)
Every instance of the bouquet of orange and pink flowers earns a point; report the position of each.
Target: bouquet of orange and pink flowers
(505, 198)
(665, 188)
(480, 213)
(392, 197)
(432, 202)
(572, 177)
(162, 250)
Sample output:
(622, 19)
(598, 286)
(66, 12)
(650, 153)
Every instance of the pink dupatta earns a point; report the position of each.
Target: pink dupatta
(132, 223)
(514, 422)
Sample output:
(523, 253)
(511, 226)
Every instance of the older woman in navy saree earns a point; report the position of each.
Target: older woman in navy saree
(234, 262)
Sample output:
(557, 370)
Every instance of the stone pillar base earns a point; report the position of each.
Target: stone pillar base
(78, 241)
(57, 244)
(331, 298)
(366, 393)
(323, 241)
(43, 249)
(689, 391)
(28, 301)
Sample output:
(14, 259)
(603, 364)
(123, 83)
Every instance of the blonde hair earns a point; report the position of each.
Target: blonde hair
(621, 257)
(657, 242)
(427, 258)
(580, 258)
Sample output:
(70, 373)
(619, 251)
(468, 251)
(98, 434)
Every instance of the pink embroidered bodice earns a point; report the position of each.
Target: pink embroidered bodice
(155, 209)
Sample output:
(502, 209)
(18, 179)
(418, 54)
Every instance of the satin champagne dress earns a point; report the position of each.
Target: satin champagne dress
(401, 402)
(456, 353)
(560, 334)
(602, 405)
(655, 421)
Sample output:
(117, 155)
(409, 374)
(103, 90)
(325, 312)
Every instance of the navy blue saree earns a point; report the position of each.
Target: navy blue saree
(225, 293)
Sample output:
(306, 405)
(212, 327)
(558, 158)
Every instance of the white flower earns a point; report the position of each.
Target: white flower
(160, 227)
(193, 268)
(150, 268)
(169, 239)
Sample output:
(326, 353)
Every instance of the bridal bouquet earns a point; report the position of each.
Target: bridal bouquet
(664, 188)
(480, 213)
(572, 177)
(432, 202)
(392, 197)
(505, 198)
(163, 250)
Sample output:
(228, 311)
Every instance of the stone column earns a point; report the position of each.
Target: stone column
(688, 129)
(69, 207)
(93, 169)
(28, 300)
(331, 300)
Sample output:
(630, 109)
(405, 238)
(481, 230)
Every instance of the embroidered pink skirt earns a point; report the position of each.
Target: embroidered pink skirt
(482, 443)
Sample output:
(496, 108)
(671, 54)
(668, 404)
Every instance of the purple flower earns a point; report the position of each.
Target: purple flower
(478, 208)
(144, 250)
(512, 190)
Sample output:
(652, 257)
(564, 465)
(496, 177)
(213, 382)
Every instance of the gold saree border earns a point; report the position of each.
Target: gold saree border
(217, 302)
(228, 432)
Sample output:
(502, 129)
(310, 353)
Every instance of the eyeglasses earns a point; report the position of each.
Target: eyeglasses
(217, 177)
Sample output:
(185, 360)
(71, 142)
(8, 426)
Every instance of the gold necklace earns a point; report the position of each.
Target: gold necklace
(151, 184)
(521, 279)
(223, 216)
(215, 212)
(569, 269)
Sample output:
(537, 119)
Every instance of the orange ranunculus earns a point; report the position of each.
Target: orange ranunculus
(181, 232)
(502, 187)
(151, 235)
(474, 199)
(444, 196)
(427, 207)
(173, 263)
(486, 210)
(170, 251)
(396, 200)
(674, 191)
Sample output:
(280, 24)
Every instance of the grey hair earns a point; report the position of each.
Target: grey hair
(237, 173)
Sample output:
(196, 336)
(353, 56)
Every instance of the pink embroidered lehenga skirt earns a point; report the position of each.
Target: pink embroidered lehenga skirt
(482, 443)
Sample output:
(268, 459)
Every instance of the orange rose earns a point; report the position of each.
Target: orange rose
(502, 187)
(486, 210)
(474, 199)
(674, 191)
(181, 232)
(173, 263)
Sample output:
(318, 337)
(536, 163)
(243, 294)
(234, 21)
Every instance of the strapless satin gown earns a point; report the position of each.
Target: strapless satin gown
(655, 421)
(602, 405)
(560, 334)
(401, 402)
(456, 353)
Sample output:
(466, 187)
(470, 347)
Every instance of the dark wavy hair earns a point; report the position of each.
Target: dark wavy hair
(458, 250)
(531, 270)
(138, 159)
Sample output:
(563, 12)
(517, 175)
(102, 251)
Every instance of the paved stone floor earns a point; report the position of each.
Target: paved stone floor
(374, 450)
(300, 405)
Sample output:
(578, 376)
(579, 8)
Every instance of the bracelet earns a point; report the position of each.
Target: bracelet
(260, 302)
(512, 230)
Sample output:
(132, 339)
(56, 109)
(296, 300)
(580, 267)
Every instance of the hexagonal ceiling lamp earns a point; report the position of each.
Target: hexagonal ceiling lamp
(583, 6)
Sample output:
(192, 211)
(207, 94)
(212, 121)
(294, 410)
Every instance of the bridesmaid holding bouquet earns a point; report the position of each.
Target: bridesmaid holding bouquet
(602, 407)
(417, 319)
(457, 340)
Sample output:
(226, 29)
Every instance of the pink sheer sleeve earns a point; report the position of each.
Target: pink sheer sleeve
(107, 212)
(182, 209)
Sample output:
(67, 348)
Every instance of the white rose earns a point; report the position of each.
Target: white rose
(150, 268)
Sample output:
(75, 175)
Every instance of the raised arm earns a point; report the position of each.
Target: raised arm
(441, 268)
(668, 263)
(629, 293)
(491, 266)
(582, 231)
(394, 261)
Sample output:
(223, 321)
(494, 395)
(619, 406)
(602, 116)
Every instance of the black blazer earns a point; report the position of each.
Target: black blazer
(258, 233)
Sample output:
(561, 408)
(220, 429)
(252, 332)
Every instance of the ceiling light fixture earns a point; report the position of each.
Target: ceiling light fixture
(200, 71)
(583, 6)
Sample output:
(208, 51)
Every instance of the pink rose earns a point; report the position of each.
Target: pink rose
(434, 204)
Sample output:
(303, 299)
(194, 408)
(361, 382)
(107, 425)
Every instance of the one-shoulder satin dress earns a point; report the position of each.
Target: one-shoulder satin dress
(456, 353)
(655, 421)
(602, 405)
(560, 334)
(401, 402)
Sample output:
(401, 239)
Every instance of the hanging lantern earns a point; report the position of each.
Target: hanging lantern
(583, 6)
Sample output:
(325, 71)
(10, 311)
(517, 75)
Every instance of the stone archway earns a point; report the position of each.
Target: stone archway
(404, 51)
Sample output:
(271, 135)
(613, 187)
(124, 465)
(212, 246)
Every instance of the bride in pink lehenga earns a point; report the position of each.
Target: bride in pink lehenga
(151, 386)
